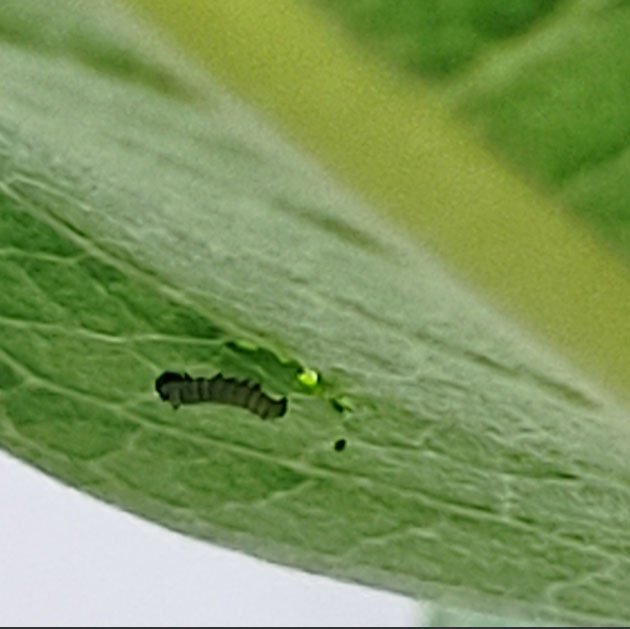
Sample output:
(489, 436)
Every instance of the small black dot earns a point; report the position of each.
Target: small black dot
(340, 444)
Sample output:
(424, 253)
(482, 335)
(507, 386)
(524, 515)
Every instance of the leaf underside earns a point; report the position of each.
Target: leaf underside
(145, 228)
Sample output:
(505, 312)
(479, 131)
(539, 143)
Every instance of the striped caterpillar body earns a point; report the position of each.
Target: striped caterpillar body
(182, 389)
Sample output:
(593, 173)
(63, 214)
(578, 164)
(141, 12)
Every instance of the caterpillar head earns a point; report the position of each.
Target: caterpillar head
(166, 378)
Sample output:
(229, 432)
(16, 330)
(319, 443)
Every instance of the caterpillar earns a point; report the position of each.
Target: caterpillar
(183, 389)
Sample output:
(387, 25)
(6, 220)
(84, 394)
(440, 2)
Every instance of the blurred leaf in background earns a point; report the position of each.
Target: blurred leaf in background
(545, 81)
(437, 41)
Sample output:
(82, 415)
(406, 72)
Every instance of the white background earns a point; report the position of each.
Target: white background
(68, 559)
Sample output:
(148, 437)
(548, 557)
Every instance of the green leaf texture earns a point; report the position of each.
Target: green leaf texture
(144, 227)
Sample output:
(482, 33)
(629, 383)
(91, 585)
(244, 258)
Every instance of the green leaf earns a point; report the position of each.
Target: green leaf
(450, 617)
(438, 40)
(545, 82)
(145, 229)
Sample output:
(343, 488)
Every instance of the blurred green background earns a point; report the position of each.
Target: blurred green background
(546, 82)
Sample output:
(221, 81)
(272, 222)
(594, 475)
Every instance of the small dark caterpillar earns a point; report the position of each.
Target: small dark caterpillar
(182, 389)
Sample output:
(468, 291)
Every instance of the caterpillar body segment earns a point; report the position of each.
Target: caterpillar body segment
(178, 389)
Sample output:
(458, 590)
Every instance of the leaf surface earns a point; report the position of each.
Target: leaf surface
(145, 229)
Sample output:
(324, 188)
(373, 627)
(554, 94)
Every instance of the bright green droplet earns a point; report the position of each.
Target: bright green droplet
(308, 378)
